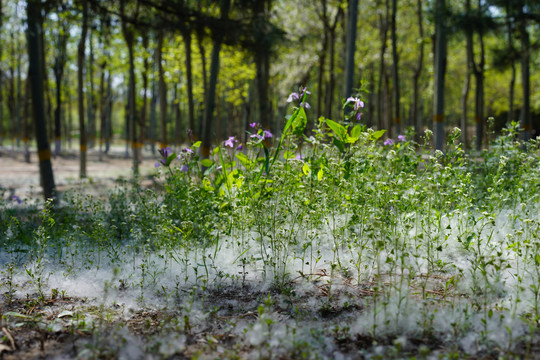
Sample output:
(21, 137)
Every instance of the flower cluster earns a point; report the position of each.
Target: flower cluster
(294, 96)
(165, 153)
(358, 104)
(389, 142)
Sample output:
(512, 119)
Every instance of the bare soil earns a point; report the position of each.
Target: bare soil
(21, 178)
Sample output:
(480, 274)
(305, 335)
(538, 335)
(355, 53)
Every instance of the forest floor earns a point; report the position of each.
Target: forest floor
(21, 178)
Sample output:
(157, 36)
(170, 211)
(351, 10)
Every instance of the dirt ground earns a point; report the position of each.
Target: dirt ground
(21, 178)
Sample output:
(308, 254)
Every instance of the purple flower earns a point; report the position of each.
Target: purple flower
(358, 116)
(17, 199)
(357, 102)
(259, 137)
(230, 141)
(240, 147)
(188, 150)
(165, 152)
(388, 142)
(190, 134)
(184, 168)
(305, 105)
(267, 134)
(299, 157)
(293, 96)
(401, 138)
(252, 125)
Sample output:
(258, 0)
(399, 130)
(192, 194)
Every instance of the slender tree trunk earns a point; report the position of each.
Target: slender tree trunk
(440, 69)
(464, 105)
(80, 90)
(102, 107)
(332, 79)
(262, 60)
(153, 106)
(59, 65)
(35, 72)
(1, 82)
(129, 36)
(26, 114)
(383, 26)
(320, 78)
(90, 104)
(395, 71)
(525, 120)
(352, 16)
(186, 35)
(144, 111)
(417, 120)
(162, 90)
(211, 94)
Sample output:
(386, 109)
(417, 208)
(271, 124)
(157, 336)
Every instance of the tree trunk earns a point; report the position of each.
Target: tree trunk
(35, 72)
(128, 32)
(153, 106)
(525, 78)
(211, 94)
(80, 90)
(351, 47)
(186, 35)
(162, 93)
(144, 111)
(464, 105)
(59, 66)
(1, 83)
(440, 69)
(91, 103)
(395, 71)
(383, 26)
(320, 79)
(26, 114)
(332, 80)
(417, 120)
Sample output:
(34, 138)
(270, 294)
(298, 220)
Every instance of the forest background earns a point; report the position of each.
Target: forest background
(157, 73)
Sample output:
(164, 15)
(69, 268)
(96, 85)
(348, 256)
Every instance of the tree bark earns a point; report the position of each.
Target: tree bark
(144, 111)
(59, 66)
(383, 26)
(352, 16)
(128, 32)
(440, 69)
(212, 82)
(80, 90)
(1, 83)
(525, 77)
(186, 35)
(395, 71)
(162, 94)
(417, 120)
(35, 72)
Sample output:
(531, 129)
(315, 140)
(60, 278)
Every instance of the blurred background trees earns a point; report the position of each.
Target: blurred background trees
(147, 73)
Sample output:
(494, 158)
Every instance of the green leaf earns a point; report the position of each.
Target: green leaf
(320, 174)
(377, 135)
(356, 131)
(306, 170)
(207, 163)
(244, 160)
(339, 144)
(339, 130)
(196, 145)
(170, 158)
(300, 122)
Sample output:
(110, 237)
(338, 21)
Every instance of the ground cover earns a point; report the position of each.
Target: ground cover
(337, 245)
